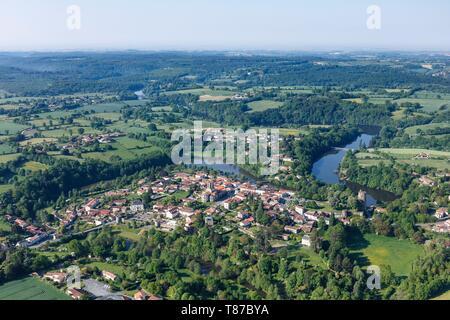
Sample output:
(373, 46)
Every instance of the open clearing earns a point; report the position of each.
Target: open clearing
(207, 97)
(263, 105)
(381, 250)
(30, 289)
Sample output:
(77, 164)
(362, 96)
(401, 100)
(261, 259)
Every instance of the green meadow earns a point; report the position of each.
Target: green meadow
(380, 250)
(30, 289)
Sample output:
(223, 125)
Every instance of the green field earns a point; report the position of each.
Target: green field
(262, 105)
(438, 159)
(30, 289)
(5, 149)
(429, 105)
(103, 266)
(8, 157)
(380, 250)
(5, 187)
(9, 127)
(35, 166)
(202, 92)
(424, 128)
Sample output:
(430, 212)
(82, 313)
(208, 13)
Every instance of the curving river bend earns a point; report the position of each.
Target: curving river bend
(326, 170)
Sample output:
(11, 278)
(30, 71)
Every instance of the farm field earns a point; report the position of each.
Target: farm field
(262, 105)
(35, 166)
(9, 127)
(30, 289)
(438, 159)
(429, 105)
(5, 149)
(203, 92)
(424, 128)
(381, 250)
(9, 157)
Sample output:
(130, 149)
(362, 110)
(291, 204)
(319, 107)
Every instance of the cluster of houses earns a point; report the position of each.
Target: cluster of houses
(89, 139)
(220, 194)
(36, 234)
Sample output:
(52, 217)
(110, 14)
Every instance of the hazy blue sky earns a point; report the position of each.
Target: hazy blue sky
(224, 24)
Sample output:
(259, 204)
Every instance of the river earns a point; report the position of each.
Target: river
(326, 170)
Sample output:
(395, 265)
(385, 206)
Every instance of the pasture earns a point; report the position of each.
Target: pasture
(9, 127)
(414, 130)
(381, 250)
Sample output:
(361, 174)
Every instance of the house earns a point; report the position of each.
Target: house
(227, 204)
(300, 210)
(31, 241)
(21, 223)
(137, 206)
(109, 275)
(242, 215)
(441, 213)
(308, 228)
(76, 294)
(425, 181)
(171, 213)
(209, 221)
(293, 229)
(247, 222)
(58, 277)
(306, 241)
(91, 205)
(186, 211)
(141, 295)
(298, 219)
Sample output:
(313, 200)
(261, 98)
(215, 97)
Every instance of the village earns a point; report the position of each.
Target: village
(180, 200)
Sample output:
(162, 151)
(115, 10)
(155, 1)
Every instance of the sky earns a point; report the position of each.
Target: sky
(298, 25)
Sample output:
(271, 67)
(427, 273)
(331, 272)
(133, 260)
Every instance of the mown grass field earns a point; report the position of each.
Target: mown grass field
(30, 289)
(381, 250)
